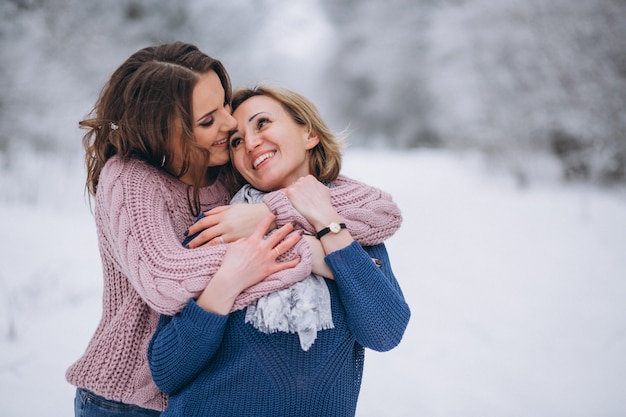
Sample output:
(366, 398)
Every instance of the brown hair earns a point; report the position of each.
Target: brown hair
(146, 101)
(325, 157)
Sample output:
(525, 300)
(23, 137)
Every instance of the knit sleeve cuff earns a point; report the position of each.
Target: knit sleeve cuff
(202, 320)
(375, 307)
(347, 258)
(370, 213)
(357, 273)
(281, 207)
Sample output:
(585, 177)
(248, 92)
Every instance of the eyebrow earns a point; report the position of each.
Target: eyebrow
(255, 115)
(249, 120)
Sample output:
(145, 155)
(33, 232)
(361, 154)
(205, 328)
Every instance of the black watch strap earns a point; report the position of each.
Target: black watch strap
(328, 229)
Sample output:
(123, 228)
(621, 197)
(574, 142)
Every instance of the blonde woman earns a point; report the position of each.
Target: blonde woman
(298, 351)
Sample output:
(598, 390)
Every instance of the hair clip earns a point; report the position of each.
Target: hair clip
(113, 126)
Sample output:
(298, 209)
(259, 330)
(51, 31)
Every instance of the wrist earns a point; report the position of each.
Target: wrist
(219, 296)
(332, 242)
(321, 215)
(333, 228)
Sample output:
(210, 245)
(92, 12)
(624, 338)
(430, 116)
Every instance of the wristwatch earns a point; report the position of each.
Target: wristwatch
(331, 228)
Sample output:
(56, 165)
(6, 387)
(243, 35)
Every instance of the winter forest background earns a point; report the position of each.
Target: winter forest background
(513, 79)
(498, 126)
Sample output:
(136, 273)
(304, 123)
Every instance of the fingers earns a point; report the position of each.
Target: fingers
(206, 222)
(287, 243)
(217, 210)
(279, 266)
(280, 241)
(304, 182)
(208, 236)
(208, 228)
(220, 240)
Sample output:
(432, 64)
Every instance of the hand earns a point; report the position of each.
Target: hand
(226, 224)
(247, 262)
(312, 199)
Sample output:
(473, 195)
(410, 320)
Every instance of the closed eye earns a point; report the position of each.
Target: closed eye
(207, 123)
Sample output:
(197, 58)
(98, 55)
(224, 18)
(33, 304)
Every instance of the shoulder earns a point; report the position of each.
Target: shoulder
(132, 176)
(117, 168)
(342, 180)
(133, 170)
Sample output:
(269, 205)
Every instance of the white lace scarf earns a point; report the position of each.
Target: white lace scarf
(303, 308)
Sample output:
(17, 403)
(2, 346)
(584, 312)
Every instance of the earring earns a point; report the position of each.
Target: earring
(163, 161)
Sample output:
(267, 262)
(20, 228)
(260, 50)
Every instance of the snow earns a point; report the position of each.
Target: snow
(516, 293)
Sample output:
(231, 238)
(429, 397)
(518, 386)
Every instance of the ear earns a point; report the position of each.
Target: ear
(312, 140)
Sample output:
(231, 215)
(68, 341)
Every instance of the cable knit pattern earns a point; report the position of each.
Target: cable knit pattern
(141, 214)
(214, 365)
(369, 213)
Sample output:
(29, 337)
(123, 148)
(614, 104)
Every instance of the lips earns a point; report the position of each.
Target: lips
(220, 142)
(258, 160)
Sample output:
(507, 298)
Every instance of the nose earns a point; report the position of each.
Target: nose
(252, 140)
(229, 121)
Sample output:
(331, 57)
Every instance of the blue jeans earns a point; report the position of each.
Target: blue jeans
(88, 404)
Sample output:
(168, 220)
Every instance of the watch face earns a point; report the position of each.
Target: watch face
(334, 227)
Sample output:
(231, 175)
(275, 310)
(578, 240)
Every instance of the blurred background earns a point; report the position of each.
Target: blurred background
(498, 126)
(519, 81)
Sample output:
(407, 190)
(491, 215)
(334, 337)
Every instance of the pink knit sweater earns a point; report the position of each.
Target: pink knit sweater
(141, 214)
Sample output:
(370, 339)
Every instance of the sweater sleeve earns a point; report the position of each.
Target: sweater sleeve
(183, 345)
(376, 310)
(137, 237)
(369, 213)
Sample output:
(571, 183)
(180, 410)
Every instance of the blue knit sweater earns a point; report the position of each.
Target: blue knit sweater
(213, 365)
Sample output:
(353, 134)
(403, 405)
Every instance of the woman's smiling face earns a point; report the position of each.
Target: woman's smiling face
(211, 124)
(268, 148)
(212, 121)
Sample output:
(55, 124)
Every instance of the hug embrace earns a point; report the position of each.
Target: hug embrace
(282, 278)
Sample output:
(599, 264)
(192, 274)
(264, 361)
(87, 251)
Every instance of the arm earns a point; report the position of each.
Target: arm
(376, 310)
(229, 223)
(370, 214)
(319, 265)
(246, 264)
(137, 231)
(192, 241)
(183, 345)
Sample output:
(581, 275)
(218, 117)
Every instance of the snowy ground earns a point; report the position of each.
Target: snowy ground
(517, 294)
